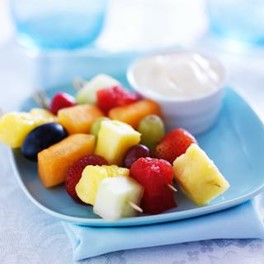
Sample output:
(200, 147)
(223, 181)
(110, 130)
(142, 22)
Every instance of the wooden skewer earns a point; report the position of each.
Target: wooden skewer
(135, 206)
(41, 99)
(172, 187)
(78, 83)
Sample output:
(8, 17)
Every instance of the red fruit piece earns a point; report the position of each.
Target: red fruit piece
(174, 144)
(112, 97)
(75, 172)
(154, 175)
(61, 100)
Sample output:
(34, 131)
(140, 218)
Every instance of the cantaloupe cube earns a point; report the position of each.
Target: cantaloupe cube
(198, 176)
(114, 139)
(54, 161)
(79, 118)
(134, 112)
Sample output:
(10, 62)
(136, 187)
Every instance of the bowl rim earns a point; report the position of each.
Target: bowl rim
(155, 96)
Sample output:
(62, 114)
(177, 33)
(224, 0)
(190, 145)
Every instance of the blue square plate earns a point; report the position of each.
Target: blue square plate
(235, 143)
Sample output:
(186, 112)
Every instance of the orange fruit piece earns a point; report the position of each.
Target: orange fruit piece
(54, 162)
(79, 118)
(134, 112)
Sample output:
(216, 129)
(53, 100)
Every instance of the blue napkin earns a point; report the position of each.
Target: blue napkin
(238, 222)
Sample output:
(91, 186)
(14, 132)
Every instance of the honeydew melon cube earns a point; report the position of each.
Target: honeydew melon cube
(88, 93)
(114, 139)
(114, 197)
(87, 187)
(198, 176)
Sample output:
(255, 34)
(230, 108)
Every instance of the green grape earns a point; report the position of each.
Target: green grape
(152, 131)
(96, 125)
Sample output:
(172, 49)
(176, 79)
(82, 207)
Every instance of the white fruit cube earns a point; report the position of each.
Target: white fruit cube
(198, 176)
(88, 93)
(114, 139)
(114, 198)
(86, 188)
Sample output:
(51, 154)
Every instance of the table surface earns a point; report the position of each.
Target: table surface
(28, 235)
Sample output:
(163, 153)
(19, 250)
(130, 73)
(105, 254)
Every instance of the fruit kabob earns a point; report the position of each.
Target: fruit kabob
(111, 150)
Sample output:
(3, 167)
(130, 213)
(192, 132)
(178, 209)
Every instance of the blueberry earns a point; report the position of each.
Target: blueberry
(42, 137)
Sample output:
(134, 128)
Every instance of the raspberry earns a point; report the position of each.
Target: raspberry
(115, 96)
(75, 172)
(158, 203)
(154, 175)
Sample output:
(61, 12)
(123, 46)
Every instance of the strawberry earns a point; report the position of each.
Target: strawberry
(174, 144)
(112, 97)
(61, 100)
(74, 173)
(154, 175)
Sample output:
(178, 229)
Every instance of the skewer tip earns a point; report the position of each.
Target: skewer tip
(172, 187)
(135, 206)
(78, 83)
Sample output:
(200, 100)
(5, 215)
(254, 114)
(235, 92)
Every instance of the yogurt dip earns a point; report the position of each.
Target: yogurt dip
(188, 86)
(180, 75)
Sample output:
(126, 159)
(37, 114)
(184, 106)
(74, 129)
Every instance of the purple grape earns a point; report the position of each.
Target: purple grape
(42, 137)
(134, 153)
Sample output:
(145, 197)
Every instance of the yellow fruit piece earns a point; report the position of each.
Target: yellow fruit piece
(114, 139)
(15, 126)
(198, 176)
(113, 170)
(54, 162)
(43, 115)
(87, 186)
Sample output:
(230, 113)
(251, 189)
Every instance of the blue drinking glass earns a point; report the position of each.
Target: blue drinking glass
(240, 21)
(51, 24)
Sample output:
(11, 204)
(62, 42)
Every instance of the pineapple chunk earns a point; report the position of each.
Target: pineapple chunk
(198, 176)
(114, 139)
(114, 198)
(114, 170)
(87, 186)
(15, 126)
(43, 115)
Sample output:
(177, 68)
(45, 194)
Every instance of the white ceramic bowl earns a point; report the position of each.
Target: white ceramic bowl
(196, 113)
